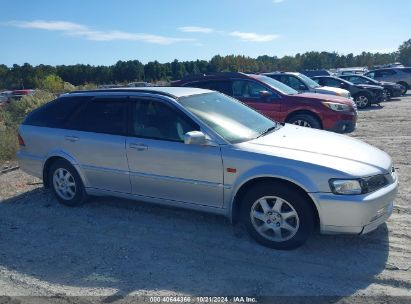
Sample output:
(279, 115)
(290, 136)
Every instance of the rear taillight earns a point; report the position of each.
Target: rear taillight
(21, 141)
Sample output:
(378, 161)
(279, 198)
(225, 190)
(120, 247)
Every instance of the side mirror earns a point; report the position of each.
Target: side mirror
(265, 94)
(342, 85)
(302, 87)
(195, 138)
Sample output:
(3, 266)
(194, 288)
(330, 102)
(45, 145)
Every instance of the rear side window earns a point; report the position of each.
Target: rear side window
(102, 115)
(55, 113)
(381, 73)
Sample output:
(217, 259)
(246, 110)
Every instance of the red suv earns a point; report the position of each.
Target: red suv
(280, 102)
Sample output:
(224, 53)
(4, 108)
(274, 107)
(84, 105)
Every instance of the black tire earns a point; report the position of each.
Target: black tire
(406, 87)
(292, 197)
(362, 100)
(80, 195)
(388, 94)
(305, 120)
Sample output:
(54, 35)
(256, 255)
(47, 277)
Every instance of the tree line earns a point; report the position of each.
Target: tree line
(28, 76)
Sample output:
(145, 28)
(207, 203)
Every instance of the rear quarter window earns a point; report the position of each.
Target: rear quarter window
(55, 113)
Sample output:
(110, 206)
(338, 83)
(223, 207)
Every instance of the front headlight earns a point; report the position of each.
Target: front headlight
(360, 185)
(345, 186)
(337, 106)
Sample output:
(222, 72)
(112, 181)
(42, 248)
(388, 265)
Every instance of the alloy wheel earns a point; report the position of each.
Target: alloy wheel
(64, 184)
(274, 218)
(361, 101)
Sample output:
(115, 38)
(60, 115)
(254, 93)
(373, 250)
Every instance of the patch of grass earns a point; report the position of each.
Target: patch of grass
(8, 144)
(11, 116)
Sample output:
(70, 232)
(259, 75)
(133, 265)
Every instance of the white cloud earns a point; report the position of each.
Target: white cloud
(278, 1)
(75, 29)
(254, 37)
(196, 29)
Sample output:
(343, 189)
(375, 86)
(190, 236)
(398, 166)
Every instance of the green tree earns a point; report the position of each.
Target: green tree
(405, 53)
(52, 83)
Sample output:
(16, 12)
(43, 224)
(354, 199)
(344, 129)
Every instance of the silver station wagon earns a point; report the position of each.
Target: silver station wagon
(200, 149)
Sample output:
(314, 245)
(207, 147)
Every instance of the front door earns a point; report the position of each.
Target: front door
(161, 165)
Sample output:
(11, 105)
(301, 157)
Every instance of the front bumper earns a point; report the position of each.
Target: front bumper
(378, 96)
(396, 92)
(343, 126)
(355, 214)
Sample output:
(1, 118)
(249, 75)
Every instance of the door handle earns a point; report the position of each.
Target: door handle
(71, 138)
(138, 147)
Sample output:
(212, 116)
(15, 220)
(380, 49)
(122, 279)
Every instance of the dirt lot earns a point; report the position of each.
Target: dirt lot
(113, 247)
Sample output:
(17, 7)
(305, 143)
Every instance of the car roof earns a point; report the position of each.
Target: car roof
(175, 92)
(281, 73)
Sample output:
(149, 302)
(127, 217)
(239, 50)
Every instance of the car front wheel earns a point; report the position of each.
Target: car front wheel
(277, 216)
(304, 120)
(363, 101)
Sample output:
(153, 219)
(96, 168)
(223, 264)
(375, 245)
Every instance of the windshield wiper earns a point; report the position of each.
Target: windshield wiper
(266, 131)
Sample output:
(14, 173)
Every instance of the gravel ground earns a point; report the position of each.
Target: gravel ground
(112, 247)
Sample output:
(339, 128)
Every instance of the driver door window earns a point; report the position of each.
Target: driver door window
(331, 82)
(293, 82)
(156, 120)
(247, 89)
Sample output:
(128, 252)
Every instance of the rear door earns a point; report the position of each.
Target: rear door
(385, 75)
(161, 165)
(95, 137)
(249, 92)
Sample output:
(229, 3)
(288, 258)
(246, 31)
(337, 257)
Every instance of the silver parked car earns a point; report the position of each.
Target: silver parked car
(400, 75)
(200, 149)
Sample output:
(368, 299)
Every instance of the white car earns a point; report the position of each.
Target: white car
(5, 96)
(302, 83)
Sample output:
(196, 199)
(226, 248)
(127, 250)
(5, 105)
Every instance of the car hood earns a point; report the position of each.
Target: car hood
(338, 91)
(387, 83)
(335, 151)
(323, 97)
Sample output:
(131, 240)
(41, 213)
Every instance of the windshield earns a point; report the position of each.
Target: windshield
(228, 117)
(275, 84)
(308, 81)
(370, 79)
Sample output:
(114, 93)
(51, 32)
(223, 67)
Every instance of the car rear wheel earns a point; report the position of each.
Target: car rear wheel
(305, 120)
(405, 85)
(66, 184)
(362, 100)
(277, 216)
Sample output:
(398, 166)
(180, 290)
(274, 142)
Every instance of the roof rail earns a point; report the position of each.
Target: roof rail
(117, 90)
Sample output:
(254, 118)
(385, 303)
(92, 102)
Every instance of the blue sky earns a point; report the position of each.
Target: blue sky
(105, 31)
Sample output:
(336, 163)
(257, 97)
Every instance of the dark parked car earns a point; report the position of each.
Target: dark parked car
(280, 102)
(398, 75)
(391, 89)
(364, 94)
